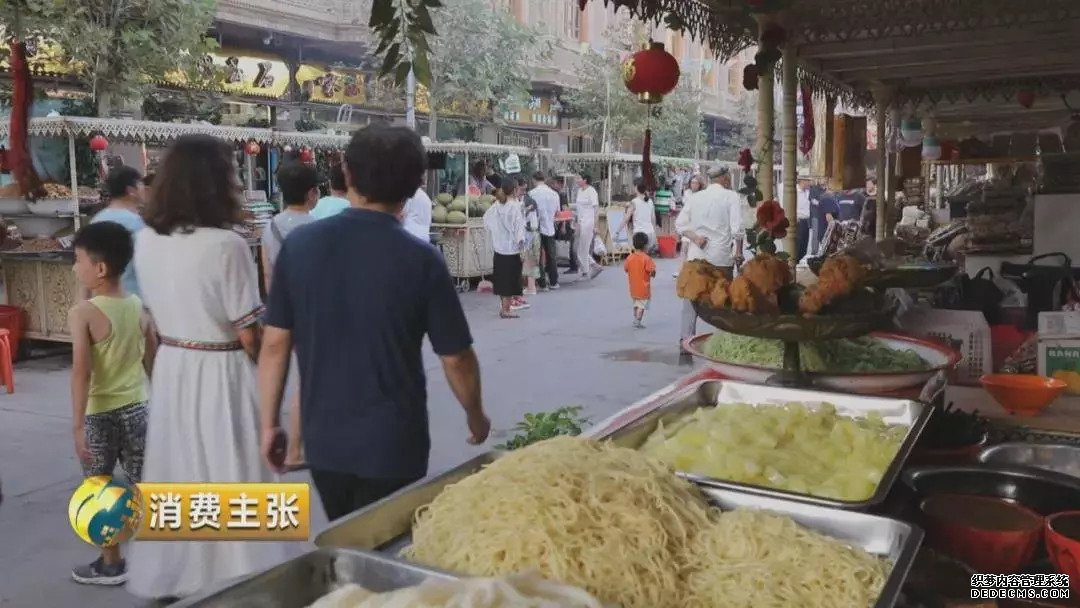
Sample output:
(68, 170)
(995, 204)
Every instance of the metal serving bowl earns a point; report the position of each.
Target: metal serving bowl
(1045, 492)
(1060, 458)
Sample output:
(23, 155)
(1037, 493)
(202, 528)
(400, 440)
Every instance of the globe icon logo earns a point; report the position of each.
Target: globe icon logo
(104, 511)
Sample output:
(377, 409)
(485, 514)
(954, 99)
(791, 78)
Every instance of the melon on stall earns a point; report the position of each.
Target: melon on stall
(444, 198)
(438, 214)
(487, 199)
(458, 204)
(456, 217)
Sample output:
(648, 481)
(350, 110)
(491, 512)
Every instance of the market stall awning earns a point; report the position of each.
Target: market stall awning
(940, 54)
(149, 131)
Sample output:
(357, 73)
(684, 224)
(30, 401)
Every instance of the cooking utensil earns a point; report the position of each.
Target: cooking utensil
(1044, 492)
(1022, 394)
(1061, 458)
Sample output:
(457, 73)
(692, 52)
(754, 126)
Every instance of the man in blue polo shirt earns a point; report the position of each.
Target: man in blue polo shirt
(356, 294)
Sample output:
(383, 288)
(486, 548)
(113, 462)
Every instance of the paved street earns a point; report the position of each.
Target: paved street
(574, 347)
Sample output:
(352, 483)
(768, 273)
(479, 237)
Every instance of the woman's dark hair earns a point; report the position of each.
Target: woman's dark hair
(641, 241)
(587, 178)
(196, 186)
(337, 179)
(386, 164)
(479, 169)
(296, 179)
(508, 185)
(106, 242)
(120, 179)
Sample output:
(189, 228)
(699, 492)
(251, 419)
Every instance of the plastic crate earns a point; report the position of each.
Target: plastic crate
(967, 331)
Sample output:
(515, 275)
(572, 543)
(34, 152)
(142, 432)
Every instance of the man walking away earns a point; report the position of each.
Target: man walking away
(711, 221)
(126, 192)
(358, 342)
(587, 204)
(336, 202)
(547, 205)
(802, 212)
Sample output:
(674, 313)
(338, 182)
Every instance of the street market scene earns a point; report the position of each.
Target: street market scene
(540, 303)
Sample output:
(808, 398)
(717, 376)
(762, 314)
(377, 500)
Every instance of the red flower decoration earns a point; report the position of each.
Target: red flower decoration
(746, 159)
(770, 217)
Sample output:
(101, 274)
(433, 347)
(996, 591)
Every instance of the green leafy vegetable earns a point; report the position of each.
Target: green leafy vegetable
(545, 425)
(855, 355)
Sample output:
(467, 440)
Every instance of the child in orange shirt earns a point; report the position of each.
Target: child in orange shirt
(640, 268)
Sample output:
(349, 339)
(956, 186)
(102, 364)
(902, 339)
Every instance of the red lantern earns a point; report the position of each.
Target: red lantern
(307, 155)
(651, 73)
(1026, 98)
(98, 143)
(252, 148)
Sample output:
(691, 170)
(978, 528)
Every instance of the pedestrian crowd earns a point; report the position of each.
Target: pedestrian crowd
(353, 287)
(173, 303)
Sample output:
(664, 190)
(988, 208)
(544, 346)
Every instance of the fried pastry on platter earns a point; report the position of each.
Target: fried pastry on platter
(720, 296)
(696, 280)
(746, 297)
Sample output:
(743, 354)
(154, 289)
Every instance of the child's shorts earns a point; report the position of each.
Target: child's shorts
(642, 304)
(116, 436)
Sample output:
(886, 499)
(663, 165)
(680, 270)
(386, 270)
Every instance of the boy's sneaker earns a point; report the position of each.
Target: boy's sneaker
(638, 324)
(553, 287)
(595, 271)
(529, 292)
(98, 572)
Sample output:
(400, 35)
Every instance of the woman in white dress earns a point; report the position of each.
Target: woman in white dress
(641, 217)
(201, 287)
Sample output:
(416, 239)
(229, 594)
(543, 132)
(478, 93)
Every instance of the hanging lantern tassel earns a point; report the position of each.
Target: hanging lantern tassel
(647, 174)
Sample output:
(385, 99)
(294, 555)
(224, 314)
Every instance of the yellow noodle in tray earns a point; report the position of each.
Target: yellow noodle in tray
(794, 447)
(622, 526)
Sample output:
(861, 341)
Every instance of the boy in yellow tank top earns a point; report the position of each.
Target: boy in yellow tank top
(113, 345)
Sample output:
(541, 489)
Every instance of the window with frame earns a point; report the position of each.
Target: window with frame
(573, 22)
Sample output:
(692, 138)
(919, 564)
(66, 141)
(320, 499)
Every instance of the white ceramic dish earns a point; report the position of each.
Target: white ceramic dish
(938, 357)
(51, 207)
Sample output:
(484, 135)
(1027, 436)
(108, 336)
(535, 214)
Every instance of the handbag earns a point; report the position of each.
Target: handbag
(1048, 286)
(977, 293)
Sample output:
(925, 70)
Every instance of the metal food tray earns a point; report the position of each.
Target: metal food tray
(387, 525)
(300, 582)
(717, 393)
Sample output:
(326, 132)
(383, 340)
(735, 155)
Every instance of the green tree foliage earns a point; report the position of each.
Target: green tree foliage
(601, 100)
(481, 60)
(118, 47)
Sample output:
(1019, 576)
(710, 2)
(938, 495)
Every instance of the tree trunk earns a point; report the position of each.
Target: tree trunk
(104, 104)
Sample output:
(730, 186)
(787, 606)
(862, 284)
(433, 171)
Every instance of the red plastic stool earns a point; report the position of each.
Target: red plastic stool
(7, 370)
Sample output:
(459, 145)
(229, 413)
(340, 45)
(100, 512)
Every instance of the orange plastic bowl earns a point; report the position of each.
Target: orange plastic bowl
(1022, 394)
(1063, 544)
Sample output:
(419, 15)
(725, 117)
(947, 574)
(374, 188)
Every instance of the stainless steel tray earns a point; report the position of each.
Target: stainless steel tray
(300, 582)
(386, 525)
(716, 393)
(893, 539)
(1060, 458)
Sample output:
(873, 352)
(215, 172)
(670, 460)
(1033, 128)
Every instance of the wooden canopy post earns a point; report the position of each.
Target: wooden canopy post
(766, 126)
(789, 159)
(892, 182)
(882, 99)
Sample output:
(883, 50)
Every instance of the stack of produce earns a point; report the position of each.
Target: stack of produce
(994, 219)
(449, 209)
(794, 448)
(845, 356)
(619, 524)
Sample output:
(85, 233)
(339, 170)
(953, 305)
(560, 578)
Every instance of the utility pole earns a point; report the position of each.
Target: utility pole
(410, 100)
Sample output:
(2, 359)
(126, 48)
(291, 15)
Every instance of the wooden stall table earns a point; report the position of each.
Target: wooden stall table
(44, 286)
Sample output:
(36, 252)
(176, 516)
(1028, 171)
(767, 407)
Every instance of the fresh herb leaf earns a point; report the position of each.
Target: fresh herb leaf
(545, 425)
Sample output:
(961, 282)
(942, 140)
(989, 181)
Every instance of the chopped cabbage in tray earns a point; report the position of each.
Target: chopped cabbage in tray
(793, 447)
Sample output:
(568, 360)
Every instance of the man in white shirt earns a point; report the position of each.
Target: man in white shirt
(416, 217)
(712, 221)
(547, 205)
(802, 212)
(587, 205)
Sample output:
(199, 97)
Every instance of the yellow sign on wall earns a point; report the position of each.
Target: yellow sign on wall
(239, 72)
(319, 83)
(225, 511)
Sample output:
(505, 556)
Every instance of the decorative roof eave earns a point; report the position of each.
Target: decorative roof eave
(149, 131)
(727, 26)
(622, 158)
